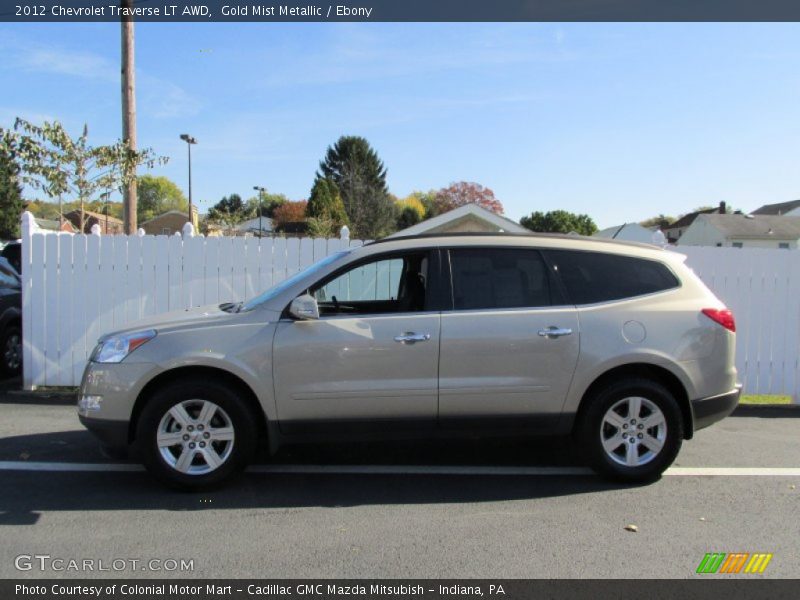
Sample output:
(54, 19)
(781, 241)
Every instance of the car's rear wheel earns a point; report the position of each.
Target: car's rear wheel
(11, 348)
(195, 436)
(632, 430)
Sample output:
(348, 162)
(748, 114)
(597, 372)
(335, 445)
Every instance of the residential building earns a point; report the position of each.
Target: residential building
(166, 223)
(467, 218)
(743, 231)
(674, 231)
(54, 225)
(259, 225)
(791, 208)
(628, 232)
(108, 224)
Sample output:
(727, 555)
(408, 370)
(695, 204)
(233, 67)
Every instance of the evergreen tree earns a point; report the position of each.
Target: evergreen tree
(360, 176)
(11, 203)
(325, 203)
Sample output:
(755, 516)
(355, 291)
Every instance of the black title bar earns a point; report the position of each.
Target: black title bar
(403, 10)
(388, 589)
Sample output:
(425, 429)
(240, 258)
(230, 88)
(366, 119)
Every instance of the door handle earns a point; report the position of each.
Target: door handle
(409, 337)
(554, 332)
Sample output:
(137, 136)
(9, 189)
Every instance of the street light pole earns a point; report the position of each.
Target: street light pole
(260, 191)
(189, 142)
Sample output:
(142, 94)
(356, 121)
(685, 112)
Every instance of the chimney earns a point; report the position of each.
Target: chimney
(723, 208)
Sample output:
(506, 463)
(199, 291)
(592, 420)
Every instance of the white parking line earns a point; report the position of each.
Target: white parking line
(19, 465)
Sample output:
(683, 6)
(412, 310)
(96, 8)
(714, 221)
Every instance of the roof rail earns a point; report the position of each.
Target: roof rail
(505, 234)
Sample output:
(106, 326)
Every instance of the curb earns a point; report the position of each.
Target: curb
(772, 410)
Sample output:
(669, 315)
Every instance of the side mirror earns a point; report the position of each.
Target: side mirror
(304, 307)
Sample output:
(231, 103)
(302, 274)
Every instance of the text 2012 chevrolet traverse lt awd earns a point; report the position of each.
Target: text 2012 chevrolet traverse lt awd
(620, 345)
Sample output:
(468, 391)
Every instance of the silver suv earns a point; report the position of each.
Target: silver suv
(620, 345)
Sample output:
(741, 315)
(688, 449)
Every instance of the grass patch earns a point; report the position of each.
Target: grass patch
(765, 399)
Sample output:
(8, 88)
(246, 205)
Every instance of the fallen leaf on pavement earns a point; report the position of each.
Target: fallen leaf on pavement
(632, 528)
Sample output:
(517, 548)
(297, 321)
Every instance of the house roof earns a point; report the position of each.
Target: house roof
(266, 223)
(614, 232)
(96, 215)
(169, 212)
(473, 210)
(764, 227)
(51, 224)
(689, 218)
(781, 208)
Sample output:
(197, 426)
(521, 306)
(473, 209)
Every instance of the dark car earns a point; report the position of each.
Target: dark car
(12, 252)
(10, 320)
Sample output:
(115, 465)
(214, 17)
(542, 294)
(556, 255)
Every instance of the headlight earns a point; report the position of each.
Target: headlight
(117, 347)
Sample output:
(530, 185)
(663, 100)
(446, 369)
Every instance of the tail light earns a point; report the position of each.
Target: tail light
(723, 316)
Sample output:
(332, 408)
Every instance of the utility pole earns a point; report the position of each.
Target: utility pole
(129, 116)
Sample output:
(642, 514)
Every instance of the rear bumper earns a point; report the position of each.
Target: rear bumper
(706, 411)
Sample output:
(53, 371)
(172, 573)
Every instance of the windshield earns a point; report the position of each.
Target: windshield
(287, 283)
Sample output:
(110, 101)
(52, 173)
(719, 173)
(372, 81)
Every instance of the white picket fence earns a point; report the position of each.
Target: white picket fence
(762, 288)
(77, 287)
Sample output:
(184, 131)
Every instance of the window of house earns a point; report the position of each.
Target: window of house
(166, 231)
(783, 245)
(389, 285)
(737, 244)
(591, 277)
(499, 278)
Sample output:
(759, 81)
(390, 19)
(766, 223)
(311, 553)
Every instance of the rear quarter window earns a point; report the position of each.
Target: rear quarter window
(591, 277)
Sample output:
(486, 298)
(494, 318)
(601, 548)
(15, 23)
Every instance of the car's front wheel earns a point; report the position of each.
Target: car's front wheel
(11, 347)
(195, 436)
(632, 430)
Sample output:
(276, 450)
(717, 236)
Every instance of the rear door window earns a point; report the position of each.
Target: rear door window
(591, 277)
(499, 278)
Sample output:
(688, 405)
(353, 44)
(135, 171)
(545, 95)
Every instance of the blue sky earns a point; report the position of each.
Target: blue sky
(620, 121)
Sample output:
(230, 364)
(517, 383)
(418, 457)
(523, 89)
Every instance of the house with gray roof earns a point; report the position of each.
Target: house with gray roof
(743, 231)
(675, 230)
(628, 232)
(791, 208)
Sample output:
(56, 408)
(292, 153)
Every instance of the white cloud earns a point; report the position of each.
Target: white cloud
(65, 62)
(157, 97)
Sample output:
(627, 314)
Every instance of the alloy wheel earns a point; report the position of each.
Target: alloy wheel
(195, 437)
(12, 353)
(633, 431)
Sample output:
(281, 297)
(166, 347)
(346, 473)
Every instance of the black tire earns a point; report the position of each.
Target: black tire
(234, 409)
(591, 430)
(11, 357)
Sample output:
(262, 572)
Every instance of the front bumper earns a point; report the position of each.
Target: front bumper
(706, 411)
(113, 389)
(113, 434)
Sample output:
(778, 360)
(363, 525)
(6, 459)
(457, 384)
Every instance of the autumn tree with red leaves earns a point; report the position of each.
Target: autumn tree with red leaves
(466, 192)
(289, 212)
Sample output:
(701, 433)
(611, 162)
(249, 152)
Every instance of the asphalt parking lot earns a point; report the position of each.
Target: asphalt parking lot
(455, 510)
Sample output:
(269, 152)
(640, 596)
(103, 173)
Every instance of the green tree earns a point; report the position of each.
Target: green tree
(559, 221)
(157, 195)
(269, 202)
(360, 176)
(11, 202)
(661, 221)
(407, 216)
(229, 211)
(44, 210)
(57, 164)
(325, 203)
